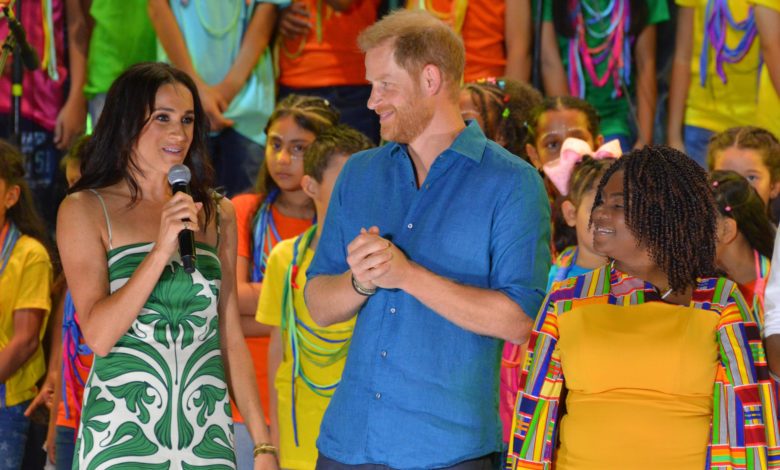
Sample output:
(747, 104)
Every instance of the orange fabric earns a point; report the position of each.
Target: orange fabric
(336, 60)
(482, 33)
(748, 291)
(246, 206)
(74, 402)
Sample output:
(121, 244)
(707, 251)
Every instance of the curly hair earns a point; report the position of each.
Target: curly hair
(505, 105)
(669, 208)
(737, 199)
(312, 113)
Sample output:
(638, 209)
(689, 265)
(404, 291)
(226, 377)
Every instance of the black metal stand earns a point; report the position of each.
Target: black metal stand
(17, 74)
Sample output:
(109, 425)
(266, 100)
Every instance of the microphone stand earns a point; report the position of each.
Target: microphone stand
(17, 74)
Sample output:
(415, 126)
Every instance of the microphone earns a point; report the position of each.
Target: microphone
(179, 179)
(28, 54)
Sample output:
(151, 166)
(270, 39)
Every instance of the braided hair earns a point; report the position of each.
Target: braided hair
(737, 199)
(312, 113)
(669, 208)
(505, 105)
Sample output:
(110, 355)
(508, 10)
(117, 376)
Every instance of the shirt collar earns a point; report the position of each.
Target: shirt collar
(470, 143)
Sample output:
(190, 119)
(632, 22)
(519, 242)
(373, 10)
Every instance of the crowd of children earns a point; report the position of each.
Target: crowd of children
(285, 112)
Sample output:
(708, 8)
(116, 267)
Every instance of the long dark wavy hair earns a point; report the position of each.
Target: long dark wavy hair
(108, 157)
(23, 213)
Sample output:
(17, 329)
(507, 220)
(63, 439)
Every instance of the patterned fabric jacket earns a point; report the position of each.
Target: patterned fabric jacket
(744, 426)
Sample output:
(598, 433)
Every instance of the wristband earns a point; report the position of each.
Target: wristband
(360, 289)
(264, 448)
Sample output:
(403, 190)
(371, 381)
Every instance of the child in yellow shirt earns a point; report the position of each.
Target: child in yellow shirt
(304, 360)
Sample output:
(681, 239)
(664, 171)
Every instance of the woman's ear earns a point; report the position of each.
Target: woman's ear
(310, 186)
(12, 196)
(569, 212)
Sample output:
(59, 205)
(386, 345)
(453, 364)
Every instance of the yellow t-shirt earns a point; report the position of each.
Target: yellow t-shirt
(639, 382)
(717, 105)
(309, 406)
(768, 112)
(25, 283)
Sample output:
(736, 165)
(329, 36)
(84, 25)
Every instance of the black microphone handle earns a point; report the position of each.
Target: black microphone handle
(186, 237)
(28, 53)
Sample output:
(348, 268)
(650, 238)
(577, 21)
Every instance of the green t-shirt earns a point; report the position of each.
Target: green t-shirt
(613, 111)
(122, 36)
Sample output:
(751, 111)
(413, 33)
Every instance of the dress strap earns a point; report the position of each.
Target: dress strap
(108, 221)
(217, 198)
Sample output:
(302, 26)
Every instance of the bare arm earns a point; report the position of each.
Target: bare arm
(47, 394)
(72, 118)
(24, 342)
(235, 353)
(248, 295)
(518, 34)
(553, 73)
(647, 86)
(331, 299)
(105, 317)
(172, 40)
(768, 24)
(274, 360)
(681, 77)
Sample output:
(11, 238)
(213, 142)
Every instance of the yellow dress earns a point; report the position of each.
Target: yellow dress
(639, 381)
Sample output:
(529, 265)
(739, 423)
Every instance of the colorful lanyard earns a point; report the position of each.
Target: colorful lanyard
(10, 235)
(565, 262)
(762, 272)
(73, 347)
(264, 236)
(455, 18)
(615, 47)
(299, 343)
(718, 19)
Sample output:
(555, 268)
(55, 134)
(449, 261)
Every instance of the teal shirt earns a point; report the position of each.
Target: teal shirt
(613, 112)
(213, 31)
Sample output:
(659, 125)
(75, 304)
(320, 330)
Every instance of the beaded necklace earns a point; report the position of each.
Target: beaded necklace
(264, 236)
(717, 20)
(318, 29)
(10, 235)
(73, 346)
(300, 344)
(615, 47)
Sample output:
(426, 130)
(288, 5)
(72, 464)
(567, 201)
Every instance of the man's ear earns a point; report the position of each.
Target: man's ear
(774, 190)
(431, 79)
(310, 186)
(533, 155)
(569, 213)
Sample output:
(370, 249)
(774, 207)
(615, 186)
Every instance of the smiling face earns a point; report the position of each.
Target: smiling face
(749, 163)
(284, 152)
(166, 137)
(611, 236)
(404, 110)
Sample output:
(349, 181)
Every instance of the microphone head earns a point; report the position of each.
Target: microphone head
(179, 174)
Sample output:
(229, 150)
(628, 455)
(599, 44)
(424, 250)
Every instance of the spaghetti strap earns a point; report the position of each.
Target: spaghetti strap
(217, 198)
(108, 221)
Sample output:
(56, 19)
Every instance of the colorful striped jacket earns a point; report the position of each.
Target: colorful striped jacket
(744, 427)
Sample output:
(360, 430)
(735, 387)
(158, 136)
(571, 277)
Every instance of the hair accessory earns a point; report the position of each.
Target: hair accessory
(506, 98)
(715, 183)
(727, 208)
(505, 113)
(572, 151)
(327, 103)
(501, 85)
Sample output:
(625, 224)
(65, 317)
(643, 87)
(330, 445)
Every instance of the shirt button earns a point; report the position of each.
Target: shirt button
(392, 310)
(410, 226)
(427, 186)
(379, 395)
(384, 353)
(411, 183)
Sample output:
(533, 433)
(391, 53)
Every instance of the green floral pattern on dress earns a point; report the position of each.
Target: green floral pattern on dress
(159, 399)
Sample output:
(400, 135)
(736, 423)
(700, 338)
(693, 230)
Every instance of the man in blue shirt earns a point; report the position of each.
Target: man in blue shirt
(439, 242)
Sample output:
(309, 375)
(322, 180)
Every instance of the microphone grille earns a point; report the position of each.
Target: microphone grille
(179, 174)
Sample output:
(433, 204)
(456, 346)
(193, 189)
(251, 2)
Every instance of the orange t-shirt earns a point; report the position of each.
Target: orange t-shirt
(482, 33)
(246, 206)
(334, 61)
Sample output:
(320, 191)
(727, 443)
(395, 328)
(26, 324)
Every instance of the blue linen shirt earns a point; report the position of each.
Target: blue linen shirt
(417, 390)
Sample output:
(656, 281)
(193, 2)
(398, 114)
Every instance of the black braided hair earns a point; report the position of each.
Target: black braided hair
(517, 98)
(737, 199)
(669, 209)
